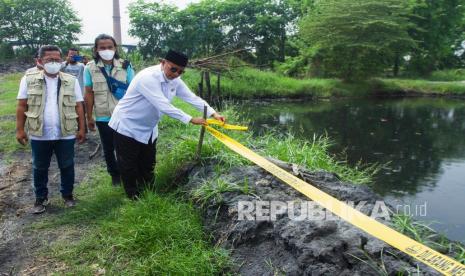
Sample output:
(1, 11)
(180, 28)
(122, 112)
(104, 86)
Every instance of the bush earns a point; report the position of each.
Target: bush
(6, 51)
(138, 62)
(448, 75)
(293, 67)
(25, 54)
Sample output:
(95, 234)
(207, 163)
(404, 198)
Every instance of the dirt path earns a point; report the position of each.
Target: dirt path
(18, 247)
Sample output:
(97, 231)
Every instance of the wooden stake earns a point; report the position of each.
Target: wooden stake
(202, 134)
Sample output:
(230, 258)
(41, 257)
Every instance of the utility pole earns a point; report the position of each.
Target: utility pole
(116, 22)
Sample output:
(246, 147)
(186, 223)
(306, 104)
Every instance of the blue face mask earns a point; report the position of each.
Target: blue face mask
(76, 58)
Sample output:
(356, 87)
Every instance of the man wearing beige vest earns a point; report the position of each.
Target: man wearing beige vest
(100, 99)
(50, 110)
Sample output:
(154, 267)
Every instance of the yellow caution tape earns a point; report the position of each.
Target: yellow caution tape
(224, 125)
(428, 256)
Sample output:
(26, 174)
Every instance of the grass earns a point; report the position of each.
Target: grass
(422, 87)
(448, 75)
(424, 234)
(249, 83)
(460, 252)
(276, 270)
(213, 190)
(313, 155)
(159, 234)
(162, 233)
(8, 143)
(420, 232)
(379, 267)
(416, 230)
(8, 92)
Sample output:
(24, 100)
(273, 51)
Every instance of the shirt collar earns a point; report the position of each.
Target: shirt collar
(116, 63)
(165, 78)
(161, 76)
(51, 79)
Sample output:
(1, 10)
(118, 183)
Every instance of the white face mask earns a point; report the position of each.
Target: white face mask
(166, 78)
(106, 54)
(52, 67)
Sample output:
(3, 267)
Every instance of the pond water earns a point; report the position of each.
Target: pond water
(421, 141)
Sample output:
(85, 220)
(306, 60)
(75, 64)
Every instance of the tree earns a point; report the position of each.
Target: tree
(195, 30)
(38, 22)
(202, 31)
(355, 39)
(6, 51)
(212, 26)
(155, 25)
(259, 24)
(439, 29)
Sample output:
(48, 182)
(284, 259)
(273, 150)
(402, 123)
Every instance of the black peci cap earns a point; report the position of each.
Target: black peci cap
(177, 58)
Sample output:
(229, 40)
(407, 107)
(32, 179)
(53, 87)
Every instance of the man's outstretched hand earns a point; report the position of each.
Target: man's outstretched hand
(198, 121)
(219, 117)
(202, 121)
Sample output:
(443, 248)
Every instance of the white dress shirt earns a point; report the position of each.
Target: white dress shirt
(52, 127)
(148, 97)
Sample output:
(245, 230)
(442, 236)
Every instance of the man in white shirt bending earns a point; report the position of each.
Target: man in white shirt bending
(136, 116)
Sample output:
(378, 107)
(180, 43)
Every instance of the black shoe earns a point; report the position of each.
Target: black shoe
(39, 206)
(116, 180)
(69, 201)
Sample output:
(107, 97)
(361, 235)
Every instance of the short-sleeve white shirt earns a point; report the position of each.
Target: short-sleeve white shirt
(51, 128)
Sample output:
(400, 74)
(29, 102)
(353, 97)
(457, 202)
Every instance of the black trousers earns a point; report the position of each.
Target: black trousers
(107, 140)
(137, 162)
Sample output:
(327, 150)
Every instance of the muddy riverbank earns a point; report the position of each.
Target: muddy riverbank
(289, 246)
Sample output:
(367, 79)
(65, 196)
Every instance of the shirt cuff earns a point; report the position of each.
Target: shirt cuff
(210, 112)
(186, 119)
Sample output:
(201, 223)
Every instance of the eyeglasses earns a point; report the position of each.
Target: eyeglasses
(52, 60)
(174, 69)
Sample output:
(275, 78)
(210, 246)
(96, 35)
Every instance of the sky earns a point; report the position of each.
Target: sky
(97, 18)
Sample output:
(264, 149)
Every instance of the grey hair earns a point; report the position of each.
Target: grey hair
(48, 48)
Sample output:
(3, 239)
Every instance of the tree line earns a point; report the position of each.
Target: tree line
(348, 39)
(33, 23)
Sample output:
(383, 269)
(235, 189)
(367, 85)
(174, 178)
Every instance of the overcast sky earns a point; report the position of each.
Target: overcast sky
(97, 18)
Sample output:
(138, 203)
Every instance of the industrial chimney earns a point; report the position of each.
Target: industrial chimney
(116, 22)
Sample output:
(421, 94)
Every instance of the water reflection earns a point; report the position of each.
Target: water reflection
(415, 137)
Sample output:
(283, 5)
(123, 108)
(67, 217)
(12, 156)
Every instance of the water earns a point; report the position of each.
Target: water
(421, 141)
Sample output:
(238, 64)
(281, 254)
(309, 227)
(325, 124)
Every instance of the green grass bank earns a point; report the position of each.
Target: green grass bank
(162, 233)
(248, 83)
(9, 85)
